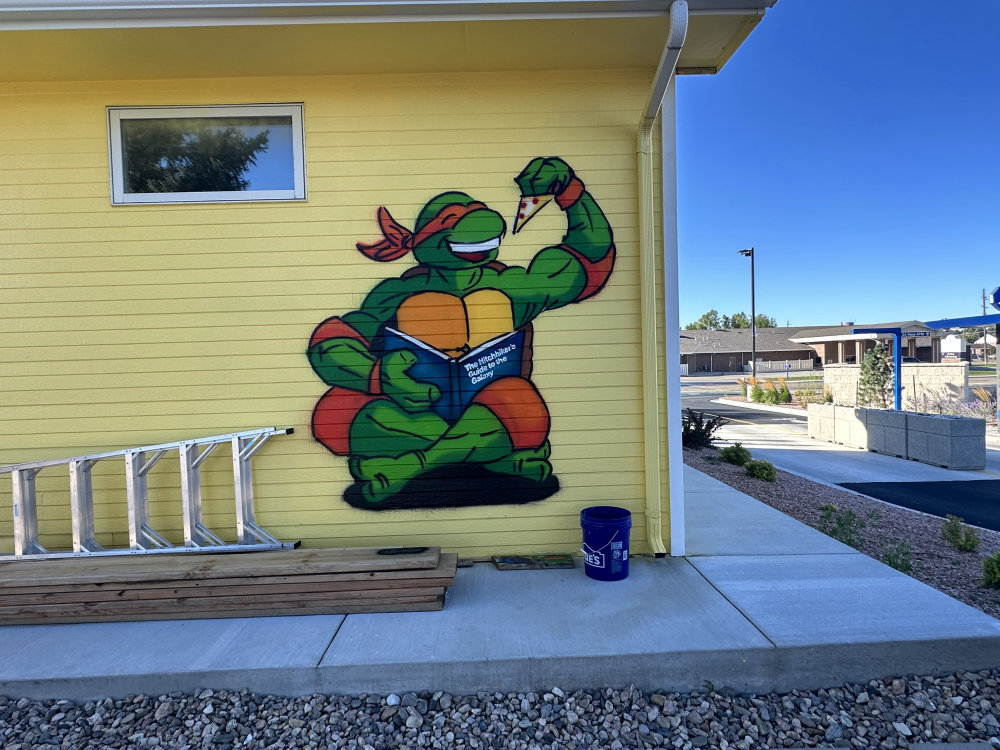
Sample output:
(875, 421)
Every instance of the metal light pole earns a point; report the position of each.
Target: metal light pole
(753, 315)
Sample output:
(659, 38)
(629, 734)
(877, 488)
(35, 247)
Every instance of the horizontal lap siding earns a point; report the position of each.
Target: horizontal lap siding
(134, 325)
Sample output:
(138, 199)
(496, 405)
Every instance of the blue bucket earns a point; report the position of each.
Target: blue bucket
(605, 542)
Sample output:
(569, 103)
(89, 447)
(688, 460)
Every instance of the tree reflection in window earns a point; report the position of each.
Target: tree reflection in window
(192, 155)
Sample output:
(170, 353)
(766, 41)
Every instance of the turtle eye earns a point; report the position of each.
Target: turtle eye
(462, 248)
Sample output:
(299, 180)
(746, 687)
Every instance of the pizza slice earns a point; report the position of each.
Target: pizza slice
(528, 207)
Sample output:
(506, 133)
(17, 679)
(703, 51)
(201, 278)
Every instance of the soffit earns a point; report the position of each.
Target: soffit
(633, 39)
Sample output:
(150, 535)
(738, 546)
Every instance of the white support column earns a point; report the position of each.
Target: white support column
(671, 315)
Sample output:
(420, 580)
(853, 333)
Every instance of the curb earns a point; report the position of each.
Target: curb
(762, 407)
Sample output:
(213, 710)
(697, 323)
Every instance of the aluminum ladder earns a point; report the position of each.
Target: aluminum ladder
(138, 462)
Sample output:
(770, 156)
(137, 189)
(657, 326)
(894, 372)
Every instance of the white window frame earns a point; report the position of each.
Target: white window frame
(120, 197)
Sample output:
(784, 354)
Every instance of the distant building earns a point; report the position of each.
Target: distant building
(836, 344)
(728, 350)
(988, 342)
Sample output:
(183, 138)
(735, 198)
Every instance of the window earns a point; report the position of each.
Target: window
(206, 154)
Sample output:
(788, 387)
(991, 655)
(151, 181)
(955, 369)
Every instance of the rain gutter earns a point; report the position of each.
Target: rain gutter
(661, 91)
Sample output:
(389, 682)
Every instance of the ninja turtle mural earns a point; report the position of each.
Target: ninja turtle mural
(431, 400)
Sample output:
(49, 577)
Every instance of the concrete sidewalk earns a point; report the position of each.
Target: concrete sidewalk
(760, 603)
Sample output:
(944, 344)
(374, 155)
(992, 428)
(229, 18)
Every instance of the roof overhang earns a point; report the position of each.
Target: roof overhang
(868, 335)
(299, 37)
(63, 14)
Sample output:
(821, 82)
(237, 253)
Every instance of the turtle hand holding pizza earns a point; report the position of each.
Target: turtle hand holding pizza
(431, 396)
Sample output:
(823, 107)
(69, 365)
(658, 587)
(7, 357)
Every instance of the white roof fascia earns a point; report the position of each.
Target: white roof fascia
(28, 15)
(842, 337)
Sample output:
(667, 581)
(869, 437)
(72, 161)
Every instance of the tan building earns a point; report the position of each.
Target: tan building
(841, 345)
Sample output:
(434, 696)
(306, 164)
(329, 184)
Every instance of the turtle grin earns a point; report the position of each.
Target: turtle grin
(474, 252)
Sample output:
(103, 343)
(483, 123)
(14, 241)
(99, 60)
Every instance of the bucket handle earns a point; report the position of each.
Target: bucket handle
(584, 551)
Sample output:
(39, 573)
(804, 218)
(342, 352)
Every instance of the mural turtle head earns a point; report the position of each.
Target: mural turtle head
(455, 231)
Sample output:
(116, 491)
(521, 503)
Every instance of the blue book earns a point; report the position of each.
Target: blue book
(459, 378)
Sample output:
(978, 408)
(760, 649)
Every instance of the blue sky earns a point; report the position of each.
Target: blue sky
(856, 146)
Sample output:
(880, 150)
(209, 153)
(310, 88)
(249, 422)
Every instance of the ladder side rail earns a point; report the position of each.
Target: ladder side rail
(140, 533)
(246, 527)
(25, 513)
(196, 534)
(145, 449)
(81, 497)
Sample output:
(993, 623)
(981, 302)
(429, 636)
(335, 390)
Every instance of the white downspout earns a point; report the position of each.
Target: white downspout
(672, 324)
(662, 82)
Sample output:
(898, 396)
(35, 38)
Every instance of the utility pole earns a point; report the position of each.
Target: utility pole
(753, 315)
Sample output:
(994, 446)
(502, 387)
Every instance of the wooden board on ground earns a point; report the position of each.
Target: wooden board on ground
(193, 566)
(282, 582)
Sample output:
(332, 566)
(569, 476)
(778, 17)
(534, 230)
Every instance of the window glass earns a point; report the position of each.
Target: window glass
(206, 154)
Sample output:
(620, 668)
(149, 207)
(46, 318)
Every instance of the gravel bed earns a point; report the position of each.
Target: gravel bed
(935, 562)
(879, 714)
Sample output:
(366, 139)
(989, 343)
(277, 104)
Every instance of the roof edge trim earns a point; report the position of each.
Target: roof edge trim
(38, 15)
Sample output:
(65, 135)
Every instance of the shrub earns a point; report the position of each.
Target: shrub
(784, 395)
(983, 406)
(756, 392)
(769, 393)
(735, 454)
(991, 571)
(842, 525)
(805, 397)
(827, 395)
(696, 431)
(743, 386)
(959, 535)
(763, 470)
(875, 380)
(900, 557)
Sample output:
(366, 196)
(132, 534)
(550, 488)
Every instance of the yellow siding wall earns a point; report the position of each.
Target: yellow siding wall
(133, 325)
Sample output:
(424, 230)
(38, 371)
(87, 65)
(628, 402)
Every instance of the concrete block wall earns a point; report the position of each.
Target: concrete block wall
(938, 439)
(850, 427)
(887, 431)
(919, 381)
(944, 440)
(821, 422)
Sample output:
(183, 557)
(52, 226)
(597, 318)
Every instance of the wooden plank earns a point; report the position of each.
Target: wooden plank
(431, 604)
(443, 573)
(330, 588)
(232, 604)
(194, 566)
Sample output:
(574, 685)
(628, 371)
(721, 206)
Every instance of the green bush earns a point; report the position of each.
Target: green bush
(763, 470)
(805, 397)
(827, 395)
(842, 525)
(784, 395)
(743, 387)
(959, 535)
(875, 379)
(756, 393)
(735, 454)
(991, 571)
(696, 431)
(899, 557)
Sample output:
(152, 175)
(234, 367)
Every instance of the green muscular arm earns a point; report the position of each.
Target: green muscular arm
(340, 350)
(574, 270)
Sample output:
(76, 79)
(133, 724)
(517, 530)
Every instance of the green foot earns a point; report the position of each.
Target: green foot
(384, 477)
(531, 463)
